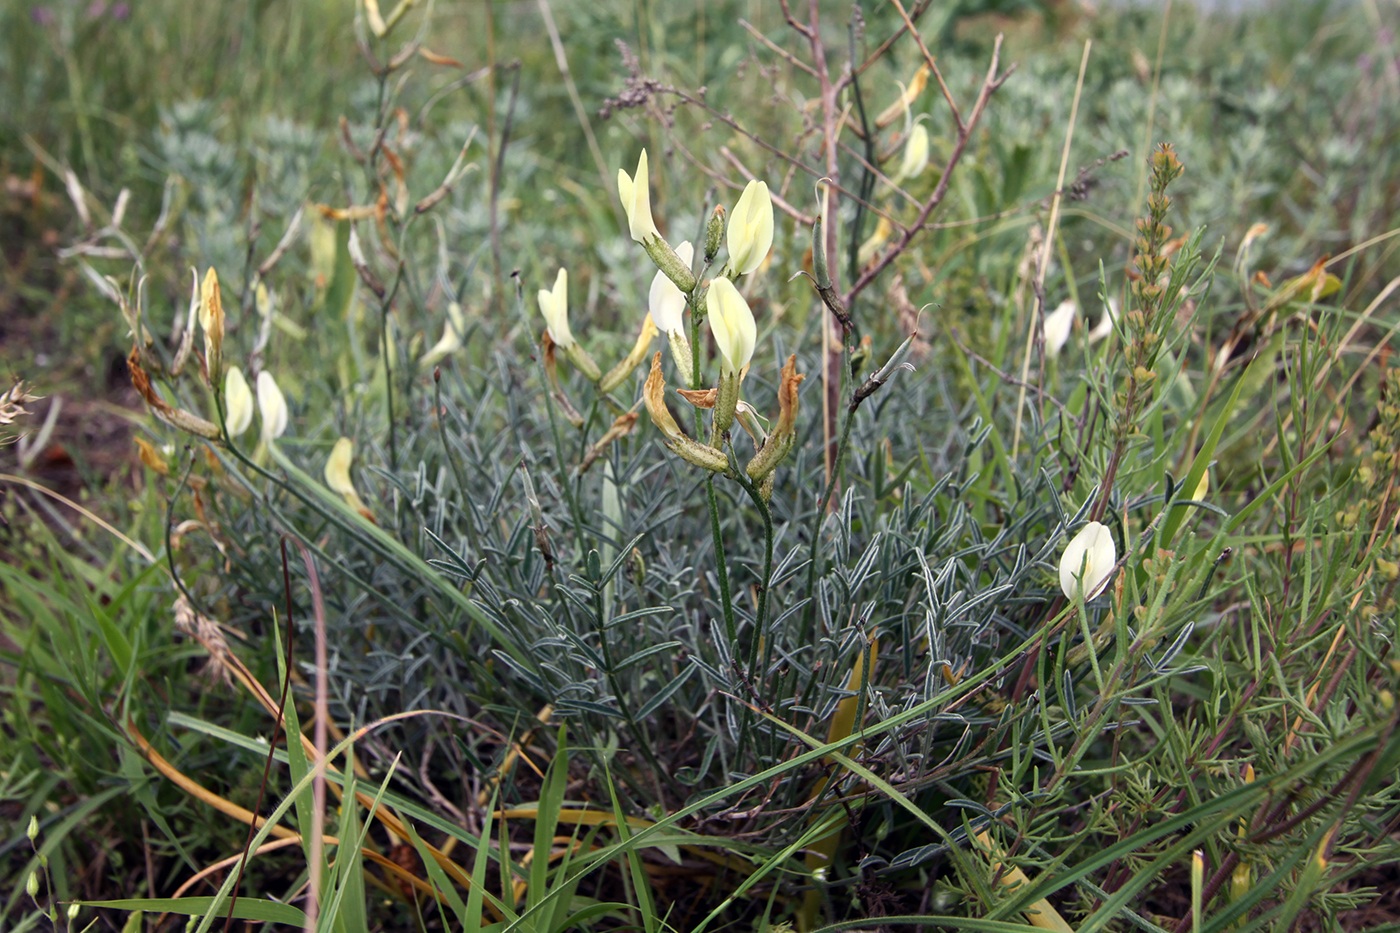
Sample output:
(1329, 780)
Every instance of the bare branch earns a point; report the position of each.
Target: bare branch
(793, 21)
(989, 86)
(778, 50)
(933, 65)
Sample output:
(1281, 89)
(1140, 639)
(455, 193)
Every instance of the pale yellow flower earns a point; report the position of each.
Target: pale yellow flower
(1058, 324)
(238, 402)
(554, 305)
(337, 473)
(733, 325)
(750, 234)
(636, 201)
(1088, 561)
(915, 154)
(272, 405)
(450, 341)
(665, 301)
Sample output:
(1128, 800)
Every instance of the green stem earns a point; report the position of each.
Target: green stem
(721, 570)
(755, 679)
(762, 617)
(570, 494)
(601, 618)
(467, 512)
(815, 534)
(694, 347)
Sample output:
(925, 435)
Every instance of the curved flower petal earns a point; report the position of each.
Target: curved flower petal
(750, 233)
(450, 341)
(733, 325)
(554, 305)
(915, 154)
(272, 405)
(665, 301)
(1058, 324)
(636, 201)
(238, 402)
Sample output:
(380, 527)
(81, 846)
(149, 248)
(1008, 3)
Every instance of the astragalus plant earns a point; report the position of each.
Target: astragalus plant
(778, 598)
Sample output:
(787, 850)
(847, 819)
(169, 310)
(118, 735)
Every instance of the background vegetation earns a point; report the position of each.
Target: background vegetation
(527, 666)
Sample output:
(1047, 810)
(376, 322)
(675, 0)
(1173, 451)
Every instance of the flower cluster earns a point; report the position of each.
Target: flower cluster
(683, 283)
(236, 402)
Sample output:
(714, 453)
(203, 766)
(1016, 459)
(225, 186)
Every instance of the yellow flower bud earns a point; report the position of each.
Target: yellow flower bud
(211, 319)
(750, 233)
